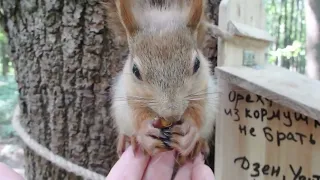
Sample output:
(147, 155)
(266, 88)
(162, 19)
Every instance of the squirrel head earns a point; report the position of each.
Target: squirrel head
(165, 70)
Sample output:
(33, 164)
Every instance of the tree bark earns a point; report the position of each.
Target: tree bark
(313, 39)
(279, 39)
(210, 50)
(4, 59)
(65, 58)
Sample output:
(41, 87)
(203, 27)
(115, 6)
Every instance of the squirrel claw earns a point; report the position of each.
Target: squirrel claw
(152, 140)
(133, 142)
(121, 146)
(201, 147)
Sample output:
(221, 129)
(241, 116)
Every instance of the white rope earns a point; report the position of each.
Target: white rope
(47, 154)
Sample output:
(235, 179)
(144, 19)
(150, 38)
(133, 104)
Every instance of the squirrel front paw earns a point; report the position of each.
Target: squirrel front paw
(151, 139)
(122, 143)
(187, 141)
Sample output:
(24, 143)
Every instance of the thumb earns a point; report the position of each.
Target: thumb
(201, 171)
(161, 166)
(129, 166)
(6, 173)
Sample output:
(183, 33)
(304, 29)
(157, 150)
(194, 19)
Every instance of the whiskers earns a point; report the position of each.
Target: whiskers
(204, 94)
(135, 100)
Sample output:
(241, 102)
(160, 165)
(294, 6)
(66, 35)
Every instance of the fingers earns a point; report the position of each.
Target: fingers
(150, 139)
(185, 172)
(151, 145)
(196, 171)
(201, 171)
(129, 166)
(185, 144)
(181, 129)
(160, 167)
(8, 174)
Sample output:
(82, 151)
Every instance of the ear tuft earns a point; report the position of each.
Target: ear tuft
(126, 16)
(195, 14)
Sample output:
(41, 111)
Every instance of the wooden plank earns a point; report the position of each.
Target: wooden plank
(243, 30)
(290, 89)
(245, 13)
(259, 139)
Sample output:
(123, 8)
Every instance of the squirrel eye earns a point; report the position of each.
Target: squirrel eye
(136, 72)
(196, 65)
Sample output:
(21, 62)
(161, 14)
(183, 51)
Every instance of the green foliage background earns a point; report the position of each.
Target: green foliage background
(286, 22)
(8, 93)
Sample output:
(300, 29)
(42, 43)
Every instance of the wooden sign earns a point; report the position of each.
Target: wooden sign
(268, 127)
(245, 20)
(257, 137)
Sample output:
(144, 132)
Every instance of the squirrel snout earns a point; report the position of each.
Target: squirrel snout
(172, 113)
(172, 118)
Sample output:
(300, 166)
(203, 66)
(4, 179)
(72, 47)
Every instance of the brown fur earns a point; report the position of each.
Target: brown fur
(113, 21)
(115, 24)
(195, 112)
(126, 16)
(195, 14)
(142, 114)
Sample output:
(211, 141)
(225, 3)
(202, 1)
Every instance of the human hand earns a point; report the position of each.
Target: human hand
(130, 167)
(6, 173)
(159, 167)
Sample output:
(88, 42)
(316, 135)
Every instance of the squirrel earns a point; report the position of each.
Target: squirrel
(165, 75)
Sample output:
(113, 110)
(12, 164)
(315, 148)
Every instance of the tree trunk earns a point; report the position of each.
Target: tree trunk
(279, 40)
(4, 59)
(65, 58)
(211, 52)
(313, 38)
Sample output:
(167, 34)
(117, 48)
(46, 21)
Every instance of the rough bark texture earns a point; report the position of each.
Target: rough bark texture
(4, 59)
(211, 52)
(313, 38)
(65, 60)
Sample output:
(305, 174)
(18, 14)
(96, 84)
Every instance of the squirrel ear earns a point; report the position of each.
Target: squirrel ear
(126, 16)
(209, 29)
(195, 14)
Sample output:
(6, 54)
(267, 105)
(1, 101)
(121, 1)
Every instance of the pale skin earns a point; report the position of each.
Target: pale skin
(143, 167)
(6, 173)
(159, 167)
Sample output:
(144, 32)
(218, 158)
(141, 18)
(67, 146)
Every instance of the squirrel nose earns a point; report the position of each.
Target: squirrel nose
(172, 118)
(171, 113)
(171, 110)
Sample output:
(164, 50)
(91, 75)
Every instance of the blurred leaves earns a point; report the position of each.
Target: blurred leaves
(286, 22)
(290, 51)
(3, 37)
(8, 101)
